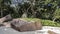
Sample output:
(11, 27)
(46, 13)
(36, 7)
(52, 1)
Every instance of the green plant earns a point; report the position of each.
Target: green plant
(44, 22)
(50, 23)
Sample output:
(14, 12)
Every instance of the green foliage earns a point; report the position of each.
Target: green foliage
(44, 9)
(44, 22)
(50, 23)
(57, 13)
(31, 19)
(0, 1)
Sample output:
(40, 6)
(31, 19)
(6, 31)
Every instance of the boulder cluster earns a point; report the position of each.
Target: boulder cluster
(20, 25)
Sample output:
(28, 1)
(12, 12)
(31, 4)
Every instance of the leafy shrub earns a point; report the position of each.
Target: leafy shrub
(44, 22)
(50, 23)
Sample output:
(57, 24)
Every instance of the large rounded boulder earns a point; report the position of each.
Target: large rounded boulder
(22, 25)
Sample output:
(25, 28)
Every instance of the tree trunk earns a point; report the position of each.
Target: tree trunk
(1, 13)
(54, 19)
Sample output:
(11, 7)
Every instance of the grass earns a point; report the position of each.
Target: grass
(50, 23)
(30, 19)
(44, 22)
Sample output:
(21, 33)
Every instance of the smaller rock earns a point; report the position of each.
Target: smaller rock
(51, 32)
(6, 18)
(7, 24)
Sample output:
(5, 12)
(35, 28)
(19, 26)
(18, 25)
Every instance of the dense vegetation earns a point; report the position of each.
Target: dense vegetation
(44, 22)
(42, 9)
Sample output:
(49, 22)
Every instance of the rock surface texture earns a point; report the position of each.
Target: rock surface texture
(6, 18)
(3, 19)
(21, 25)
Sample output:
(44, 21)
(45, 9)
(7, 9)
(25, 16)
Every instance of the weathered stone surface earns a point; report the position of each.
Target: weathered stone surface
(21, 25)
(7, 24)
(6, 18)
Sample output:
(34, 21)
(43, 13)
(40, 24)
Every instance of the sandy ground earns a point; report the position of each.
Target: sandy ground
(5, 30)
